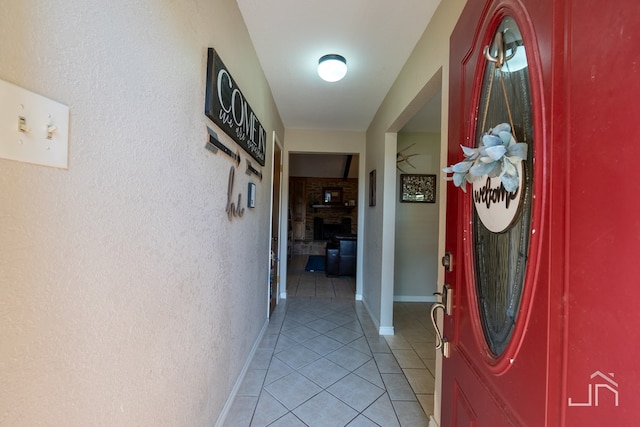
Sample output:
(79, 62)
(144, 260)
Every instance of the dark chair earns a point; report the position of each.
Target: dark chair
(340, 255)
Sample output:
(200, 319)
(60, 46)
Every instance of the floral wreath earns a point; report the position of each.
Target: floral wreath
(499, 152)
(497, 156)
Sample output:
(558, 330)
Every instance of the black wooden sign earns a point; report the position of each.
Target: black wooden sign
(227, 107)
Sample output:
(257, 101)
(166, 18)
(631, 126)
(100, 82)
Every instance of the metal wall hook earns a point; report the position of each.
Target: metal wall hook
(499, 59)
(501, 44)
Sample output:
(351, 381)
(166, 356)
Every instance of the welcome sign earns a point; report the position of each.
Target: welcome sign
(227, 107)
(497, 208)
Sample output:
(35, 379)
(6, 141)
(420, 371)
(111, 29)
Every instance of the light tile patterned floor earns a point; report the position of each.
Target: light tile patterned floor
(322, 363)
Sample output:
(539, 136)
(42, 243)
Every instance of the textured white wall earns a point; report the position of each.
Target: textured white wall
(126, 295)
(416, 248)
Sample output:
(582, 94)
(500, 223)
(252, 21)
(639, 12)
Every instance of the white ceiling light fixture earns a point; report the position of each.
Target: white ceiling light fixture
(332, 68)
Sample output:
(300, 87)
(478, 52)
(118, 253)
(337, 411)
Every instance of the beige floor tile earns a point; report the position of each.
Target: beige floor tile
(426, 401)
(421, 380)
(398, 387)
(419, 337)
(410, 413)
(408, 359)
(431, 365)
(397, 342)
(426, 351)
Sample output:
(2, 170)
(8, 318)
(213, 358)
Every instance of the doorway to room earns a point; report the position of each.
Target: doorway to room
(322, 224)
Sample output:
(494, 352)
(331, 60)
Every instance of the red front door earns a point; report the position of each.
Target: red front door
(544, 328)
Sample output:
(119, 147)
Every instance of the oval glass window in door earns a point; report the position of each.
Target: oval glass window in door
(502, 218)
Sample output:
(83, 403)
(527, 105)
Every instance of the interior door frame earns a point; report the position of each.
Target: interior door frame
(279, 256)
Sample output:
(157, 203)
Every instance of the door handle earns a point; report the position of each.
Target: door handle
(441, 342)
(447, 298)
(446, 305)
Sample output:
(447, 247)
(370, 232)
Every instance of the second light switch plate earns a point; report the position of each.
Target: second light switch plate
(33, 129)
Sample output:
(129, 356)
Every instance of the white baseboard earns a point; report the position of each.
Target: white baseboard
(432, 422)
(375, 321)
(418, 298)
(386, 330)
(358, 297)
(283, 295)
(382, 330)
(234, 391)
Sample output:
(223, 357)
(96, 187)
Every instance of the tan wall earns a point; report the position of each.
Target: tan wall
(422, 76)
(127, 297)
(416, 236)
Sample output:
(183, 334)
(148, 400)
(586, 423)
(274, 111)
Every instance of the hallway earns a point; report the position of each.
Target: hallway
(321, 362)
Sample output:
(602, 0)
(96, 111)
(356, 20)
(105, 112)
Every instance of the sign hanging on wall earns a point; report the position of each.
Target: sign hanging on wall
(227, 107)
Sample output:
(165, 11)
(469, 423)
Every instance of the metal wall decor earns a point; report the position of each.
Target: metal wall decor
(252, 170)
(214, 145)
(233, 209)
(404, 157)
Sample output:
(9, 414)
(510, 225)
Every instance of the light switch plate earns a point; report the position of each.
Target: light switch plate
(33, 129)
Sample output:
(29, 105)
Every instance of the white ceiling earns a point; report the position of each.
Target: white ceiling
(375, 36)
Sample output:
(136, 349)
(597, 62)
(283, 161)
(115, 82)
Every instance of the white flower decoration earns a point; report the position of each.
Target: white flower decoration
(497, 156)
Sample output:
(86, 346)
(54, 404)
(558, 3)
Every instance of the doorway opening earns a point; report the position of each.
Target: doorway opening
(322, 224)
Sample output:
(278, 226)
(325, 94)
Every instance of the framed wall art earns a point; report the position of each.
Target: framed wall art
(332, 196)
(417, 188)
(372, 188)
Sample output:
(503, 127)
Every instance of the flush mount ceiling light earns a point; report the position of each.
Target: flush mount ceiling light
(332, 67)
